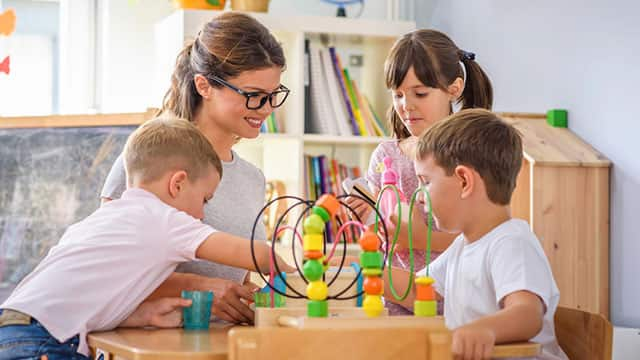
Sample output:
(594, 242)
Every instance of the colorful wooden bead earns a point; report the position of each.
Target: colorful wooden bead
(322, 212)
(373, 285)
(372, 272)
(425, 308)
(317, 308)
(312, 242)
(313, 254)
(369, 241)
(313, 224)
(317, 290)
(424, 288)
(313, 270)
(372, 305)
(329, 203)
(371, 259)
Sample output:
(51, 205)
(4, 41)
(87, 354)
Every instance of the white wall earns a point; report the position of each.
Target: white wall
(578, 55)
(126, 45)
(126, 52)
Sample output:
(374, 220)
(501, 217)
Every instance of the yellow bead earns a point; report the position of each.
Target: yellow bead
(372, 305)
(317, 290)
(425, 308)
(424, 280)
(312, 242)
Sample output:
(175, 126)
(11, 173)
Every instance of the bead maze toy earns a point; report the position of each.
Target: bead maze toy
(318, 220)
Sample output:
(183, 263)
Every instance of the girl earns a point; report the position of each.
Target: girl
(226, 81)
(428, 76)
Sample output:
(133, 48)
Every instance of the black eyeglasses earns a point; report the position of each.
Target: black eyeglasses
(257, 99)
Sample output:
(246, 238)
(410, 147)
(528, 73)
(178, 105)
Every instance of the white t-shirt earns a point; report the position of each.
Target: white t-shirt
(474, 278)
(107, 264)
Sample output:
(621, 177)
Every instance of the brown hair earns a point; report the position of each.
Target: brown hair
(168, 143)
(435, 59)
(480, 139)
(225, 46)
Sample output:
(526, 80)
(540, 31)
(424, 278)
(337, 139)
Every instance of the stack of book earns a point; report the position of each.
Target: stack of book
(337, 106)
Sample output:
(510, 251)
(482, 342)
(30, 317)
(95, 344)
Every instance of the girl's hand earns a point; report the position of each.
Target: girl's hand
(359, 206)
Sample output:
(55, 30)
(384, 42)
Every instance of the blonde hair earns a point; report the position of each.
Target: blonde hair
(168, 143)
(480, 139)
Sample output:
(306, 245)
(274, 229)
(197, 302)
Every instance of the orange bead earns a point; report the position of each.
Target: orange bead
(369, 241)
(329, 203)
(313, 254)
(373, 285)
(425, 292)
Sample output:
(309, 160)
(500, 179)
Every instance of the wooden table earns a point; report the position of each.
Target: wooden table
(176, 344)
(143, 344)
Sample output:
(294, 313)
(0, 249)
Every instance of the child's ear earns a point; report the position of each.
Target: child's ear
(455, 88)
(202, 86)
(177, 182)
(464, 175)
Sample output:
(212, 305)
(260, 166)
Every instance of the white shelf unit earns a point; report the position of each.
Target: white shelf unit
(281, 156)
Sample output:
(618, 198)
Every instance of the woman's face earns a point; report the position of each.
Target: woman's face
(227, 109)
(418, 105)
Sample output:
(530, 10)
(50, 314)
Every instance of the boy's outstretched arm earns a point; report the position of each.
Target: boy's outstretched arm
(519, 320)
(235, 251)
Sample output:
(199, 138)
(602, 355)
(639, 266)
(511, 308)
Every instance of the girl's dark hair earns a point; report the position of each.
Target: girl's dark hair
(226, 46)
(435, 59)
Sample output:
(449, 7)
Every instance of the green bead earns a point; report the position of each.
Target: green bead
(313, 224)
(322, 212)
(313, 270)
(317, 308)
(372, 272)
(425, 307)
(371, 259)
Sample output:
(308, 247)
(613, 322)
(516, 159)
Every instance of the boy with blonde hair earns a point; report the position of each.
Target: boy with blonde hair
(495, 279)
(107, 264)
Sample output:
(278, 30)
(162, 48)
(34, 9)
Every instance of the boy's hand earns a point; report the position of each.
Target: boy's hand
(162, 313)
(473, 342)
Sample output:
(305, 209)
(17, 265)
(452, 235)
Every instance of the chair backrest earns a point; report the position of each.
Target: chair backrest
(583, 335)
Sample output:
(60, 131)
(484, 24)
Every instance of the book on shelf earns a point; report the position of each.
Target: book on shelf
(323, 175)
(337, 104)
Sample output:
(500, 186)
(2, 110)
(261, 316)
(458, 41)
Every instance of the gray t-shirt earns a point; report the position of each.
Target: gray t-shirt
(233, 209)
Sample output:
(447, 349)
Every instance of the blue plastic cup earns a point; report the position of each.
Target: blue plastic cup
(196, 316)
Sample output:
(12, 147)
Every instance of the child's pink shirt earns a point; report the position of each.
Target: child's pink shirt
(407, 183)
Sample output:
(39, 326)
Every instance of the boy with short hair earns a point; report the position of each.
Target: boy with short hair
(107, 264)
(495, 278)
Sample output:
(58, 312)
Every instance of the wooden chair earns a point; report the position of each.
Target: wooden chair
(583, 335)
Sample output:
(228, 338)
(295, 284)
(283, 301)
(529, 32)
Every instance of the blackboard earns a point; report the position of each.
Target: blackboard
(50, 178)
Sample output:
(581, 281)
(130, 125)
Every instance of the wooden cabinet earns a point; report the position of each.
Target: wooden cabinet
(563, 192)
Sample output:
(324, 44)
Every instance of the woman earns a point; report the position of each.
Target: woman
(226, 81)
